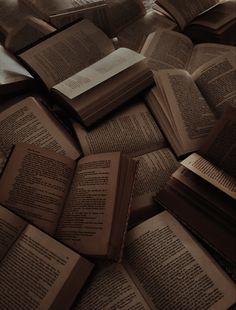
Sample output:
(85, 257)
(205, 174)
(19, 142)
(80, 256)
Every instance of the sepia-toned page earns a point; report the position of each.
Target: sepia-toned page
(11, 71)
(166, 49)
(217, 80)
(134, 35)
(131, 130)
(28, 31)
(86, 222)
(35, 272)
(110, 287)
(191, 114)
(29, 122)
(35, 183)
(202, 53)
(178, 272)
(11, 227)
(154, 170)
(184, 11)
(68, 52)
(211, 173)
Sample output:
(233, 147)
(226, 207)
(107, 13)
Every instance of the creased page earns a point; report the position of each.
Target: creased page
(35, 270)
(68, 52)
(11, 227)
(35, 183)
(166, 49)
(193, 124)
(98, 72)
(184, 10)
(132, 131)
(217, 81)
(86, 221)
(28, 121)
(178, 273)
(109, 288)
(211, 174)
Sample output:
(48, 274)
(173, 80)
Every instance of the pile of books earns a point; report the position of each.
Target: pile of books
(117, 154)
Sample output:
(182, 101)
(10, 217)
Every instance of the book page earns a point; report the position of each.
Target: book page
(211, 174)
(28, 121)
(11, 227)
(178, 273)
(216, 81)
(220, 145)
(35, 183)
(87, 218)
(34, 272)
(28, 31)
(154, 170)
(202, 53)
(11, 70)
(184, 11)
(100, 71)
(181, 93)
(166, 49)
(82, 44)
(135, 34)
(132, 131)
(110, 288)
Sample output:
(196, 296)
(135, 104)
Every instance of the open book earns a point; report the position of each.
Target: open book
(13, 76)
(186, 106)
(36, 271)
(28, 121)
(134, 131)
(166, 49)
(60, 13)
(164, 268)
(84, 205)
(97, 79)
(204, 21)
(202, 194)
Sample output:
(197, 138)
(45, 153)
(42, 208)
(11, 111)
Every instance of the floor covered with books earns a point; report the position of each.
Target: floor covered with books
(117, 154)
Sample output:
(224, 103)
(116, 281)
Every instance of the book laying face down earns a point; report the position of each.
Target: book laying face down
(97, 79)
(35, 270)
(85, 206)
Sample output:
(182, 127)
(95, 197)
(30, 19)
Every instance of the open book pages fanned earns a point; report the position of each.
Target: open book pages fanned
(52, 273)
(85, 205)
(201, 283)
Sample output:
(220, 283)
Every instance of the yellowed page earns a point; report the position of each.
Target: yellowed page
(166, 49)
(100, 71)
(132, 131)
(35, 183)
(179, 274)
(192, 124)
(113, 288)
(87, 218)
(68, 52)
(11, 227)
(35, 271)
(216, 81)
(28, 121)
(154, 170)
(211, 174)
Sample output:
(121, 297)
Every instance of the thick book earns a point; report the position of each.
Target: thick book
(187, 106)
(60, 13)
(97, 78)
(13, 76)
(36, 270)
(202, 193)
(134, 131)
(164, 268)
(85, 205)
(204, 21)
